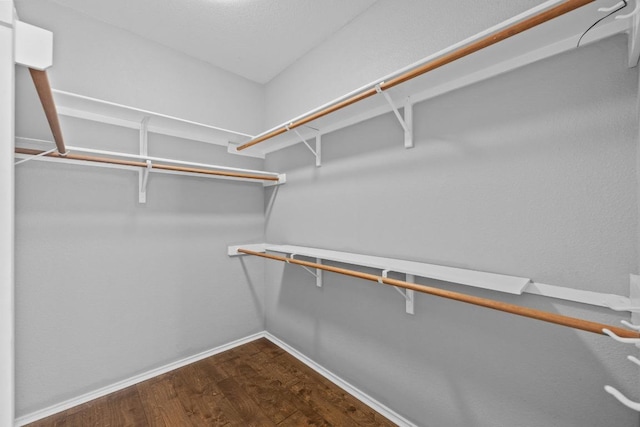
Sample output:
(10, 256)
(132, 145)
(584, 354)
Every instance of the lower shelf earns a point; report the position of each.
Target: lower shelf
(479, 279)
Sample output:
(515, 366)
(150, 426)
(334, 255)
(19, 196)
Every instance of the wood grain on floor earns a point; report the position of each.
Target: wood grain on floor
(256, 384)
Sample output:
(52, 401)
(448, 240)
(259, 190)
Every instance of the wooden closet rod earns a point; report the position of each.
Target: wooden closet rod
(41, 81)
(144, 165)
(532, 313)
(463, 51)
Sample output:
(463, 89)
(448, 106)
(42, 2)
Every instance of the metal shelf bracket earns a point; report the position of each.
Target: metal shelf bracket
(317, 274)
(145, 181)
(407, 121)
(317, 153)
(407, 294)
(143, 174)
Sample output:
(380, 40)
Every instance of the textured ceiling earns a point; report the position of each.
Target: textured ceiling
(253, 38)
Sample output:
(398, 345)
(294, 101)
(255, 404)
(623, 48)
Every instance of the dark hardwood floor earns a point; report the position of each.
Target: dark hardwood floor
(256, 384)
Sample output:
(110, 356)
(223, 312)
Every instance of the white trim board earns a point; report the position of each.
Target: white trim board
(7, 214)
(120, 385)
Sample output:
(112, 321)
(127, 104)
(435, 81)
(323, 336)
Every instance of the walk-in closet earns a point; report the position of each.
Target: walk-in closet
(319, 213)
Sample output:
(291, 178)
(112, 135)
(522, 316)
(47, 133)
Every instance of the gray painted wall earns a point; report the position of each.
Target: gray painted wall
(533, 174)
(107, 288)
(388, 36)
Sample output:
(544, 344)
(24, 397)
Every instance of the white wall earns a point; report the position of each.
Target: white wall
(533, 174)
(6, 215)
(391, 34)
(108, 288)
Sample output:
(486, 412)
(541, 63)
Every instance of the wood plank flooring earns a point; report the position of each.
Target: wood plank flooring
(256, 384)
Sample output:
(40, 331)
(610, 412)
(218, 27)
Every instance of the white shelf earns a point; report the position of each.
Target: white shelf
(479, 279)
(551, 38)
(84, 107)
(495, 282)
(281, 177)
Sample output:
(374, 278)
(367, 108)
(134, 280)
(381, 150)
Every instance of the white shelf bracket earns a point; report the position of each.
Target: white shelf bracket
(407, 294)
(318, 150)
(145, 180)
(143, 174)
(632, 32)
(407, 121)
(317, 274)
(310, 271)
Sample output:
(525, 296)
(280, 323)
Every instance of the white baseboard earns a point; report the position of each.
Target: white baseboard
(354, 391)
(67, 404)
(357, 393)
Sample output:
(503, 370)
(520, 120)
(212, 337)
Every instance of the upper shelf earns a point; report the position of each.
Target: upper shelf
(84, 107)
(550, 38)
